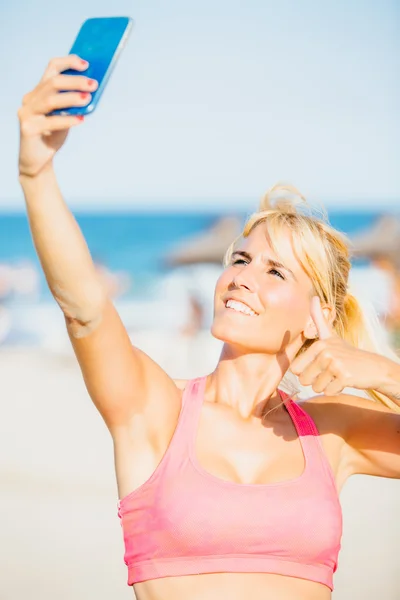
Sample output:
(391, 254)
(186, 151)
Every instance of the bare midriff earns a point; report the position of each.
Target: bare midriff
(235, 586)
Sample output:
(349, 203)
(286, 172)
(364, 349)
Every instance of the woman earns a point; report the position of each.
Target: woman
(228, 488)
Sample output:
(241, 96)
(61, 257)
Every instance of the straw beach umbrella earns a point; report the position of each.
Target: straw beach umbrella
(382, 240)
(208, 246)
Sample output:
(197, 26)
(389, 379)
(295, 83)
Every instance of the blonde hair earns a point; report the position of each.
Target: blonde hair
(324, 254)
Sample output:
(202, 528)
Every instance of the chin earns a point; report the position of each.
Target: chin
(248, 337)
(230, 333)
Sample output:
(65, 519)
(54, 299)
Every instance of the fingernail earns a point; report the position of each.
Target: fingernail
(84, 95)
(92, 82)
(80, 117)
(84, 63)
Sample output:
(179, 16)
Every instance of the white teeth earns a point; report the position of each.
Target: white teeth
(240, 307)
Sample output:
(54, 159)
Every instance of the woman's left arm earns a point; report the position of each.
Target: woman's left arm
(372, 437)
(372, 431)
(390, 379)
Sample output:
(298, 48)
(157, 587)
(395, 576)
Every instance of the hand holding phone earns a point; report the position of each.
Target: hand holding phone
(99, 42)
(69, 89)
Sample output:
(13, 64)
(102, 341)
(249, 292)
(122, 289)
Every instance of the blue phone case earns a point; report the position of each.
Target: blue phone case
(100, 42)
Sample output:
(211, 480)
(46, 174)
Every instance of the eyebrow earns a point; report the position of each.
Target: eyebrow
(268, 261)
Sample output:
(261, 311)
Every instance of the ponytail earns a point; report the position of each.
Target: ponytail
(353, 326)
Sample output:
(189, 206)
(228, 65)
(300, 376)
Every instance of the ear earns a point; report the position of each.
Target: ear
(311, 330)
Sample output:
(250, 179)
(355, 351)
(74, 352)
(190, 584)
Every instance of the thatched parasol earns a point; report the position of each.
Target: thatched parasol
(207, 247)
(381, 241)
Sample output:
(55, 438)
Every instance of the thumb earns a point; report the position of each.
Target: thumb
(322, 325)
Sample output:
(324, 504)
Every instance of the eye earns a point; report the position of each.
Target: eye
(240, 261)
(276, 273)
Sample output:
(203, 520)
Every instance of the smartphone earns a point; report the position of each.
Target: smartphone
(99, 41)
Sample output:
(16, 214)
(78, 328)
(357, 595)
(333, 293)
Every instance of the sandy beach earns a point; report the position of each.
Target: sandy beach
(60, 535)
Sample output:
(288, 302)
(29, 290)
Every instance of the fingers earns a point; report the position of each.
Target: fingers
(76, 83)
(326, 383)
(324, 329)
(324, 372)
(306, 358)
(315, 367)
(42, 125)
(47, 97)
(323, 377)
(57, 65)
(58, 101)
(322, 381)
(42, 105)
(336, 386)
(312, 371)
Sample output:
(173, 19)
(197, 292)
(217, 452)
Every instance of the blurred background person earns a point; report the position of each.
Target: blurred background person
(116, 283)
(381, 246)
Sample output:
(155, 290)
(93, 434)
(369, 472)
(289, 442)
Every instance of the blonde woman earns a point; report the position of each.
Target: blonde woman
(228, 488)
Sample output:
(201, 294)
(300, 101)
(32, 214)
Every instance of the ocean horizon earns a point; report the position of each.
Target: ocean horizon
(134, 245)
(197, 204)
(137, 242)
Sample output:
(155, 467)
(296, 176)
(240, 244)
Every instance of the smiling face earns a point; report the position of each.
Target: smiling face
(262, 300)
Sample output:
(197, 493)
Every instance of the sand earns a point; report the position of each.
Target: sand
(60, 535)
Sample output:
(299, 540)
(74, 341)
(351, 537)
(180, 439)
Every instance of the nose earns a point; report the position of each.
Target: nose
(243, 279)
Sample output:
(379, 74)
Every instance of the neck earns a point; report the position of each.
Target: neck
(248, 382)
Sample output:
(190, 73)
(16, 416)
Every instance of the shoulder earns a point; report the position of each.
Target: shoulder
(343, 414)
(370, 433)
(341, 403)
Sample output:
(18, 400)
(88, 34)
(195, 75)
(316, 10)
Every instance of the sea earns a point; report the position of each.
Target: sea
(134, 243)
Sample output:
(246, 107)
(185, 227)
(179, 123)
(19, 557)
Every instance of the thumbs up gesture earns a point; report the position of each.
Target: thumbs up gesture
(330, 364)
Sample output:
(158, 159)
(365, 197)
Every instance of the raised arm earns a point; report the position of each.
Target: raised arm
(121, 380)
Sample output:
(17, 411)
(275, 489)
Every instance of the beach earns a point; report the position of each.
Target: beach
(58, 504)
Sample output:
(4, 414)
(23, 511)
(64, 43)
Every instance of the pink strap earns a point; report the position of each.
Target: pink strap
(302, 420)
(192, 400)
(310, 439)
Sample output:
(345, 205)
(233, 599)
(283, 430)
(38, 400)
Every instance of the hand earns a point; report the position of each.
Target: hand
(331, 364)
(41, 136)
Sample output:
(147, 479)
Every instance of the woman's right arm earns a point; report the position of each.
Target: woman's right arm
(122, 381)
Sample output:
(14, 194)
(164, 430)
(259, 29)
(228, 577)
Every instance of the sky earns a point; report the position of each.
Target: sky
(214, 101)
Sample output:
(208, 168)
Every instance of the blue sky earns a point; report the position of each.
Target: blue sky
(216, 100)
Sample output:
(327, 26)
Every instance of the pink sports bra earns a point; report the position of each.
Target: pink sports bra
(185, 521)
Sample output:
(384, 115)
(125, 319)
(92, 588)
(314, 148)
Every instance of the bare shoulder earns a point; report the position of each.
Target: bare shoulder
(361, 435)
(343, 414)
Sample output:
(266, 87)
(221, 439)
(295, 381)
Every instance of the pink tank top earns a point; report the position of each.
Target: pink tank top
(185, 521)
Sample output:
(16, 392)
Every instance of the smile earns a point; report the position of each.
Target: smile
(241, 308)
